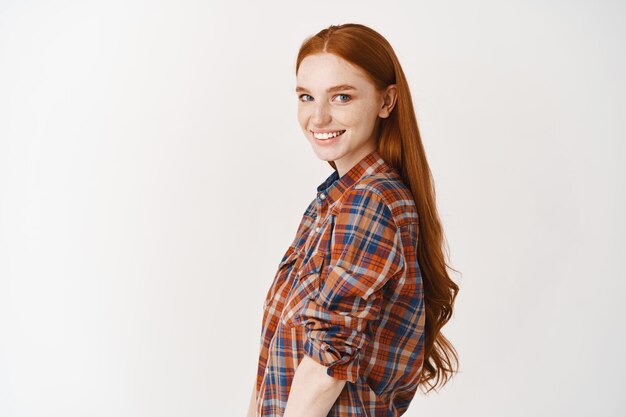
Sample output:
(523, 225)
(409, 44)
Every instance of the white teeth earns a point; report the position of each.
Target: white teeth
(327, 135)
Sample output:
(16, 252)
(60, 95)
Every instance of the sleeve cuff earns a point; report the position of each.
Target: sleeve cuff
(338, 366)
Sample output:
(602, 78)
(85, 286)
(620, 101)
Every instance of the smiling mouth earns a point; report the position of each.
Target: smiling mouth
(326, 136)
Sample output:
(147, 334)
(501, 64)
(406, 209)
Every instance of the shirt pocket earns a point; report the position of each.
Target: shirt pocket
(305, 286)
(277, 288)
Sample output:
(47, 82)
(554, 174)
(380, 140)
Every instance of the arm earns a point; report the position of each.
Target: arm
(313, 392)
(365, 254)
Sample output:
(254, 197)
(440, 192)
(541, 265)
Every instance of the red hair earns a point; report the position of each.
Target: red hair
(400, 144)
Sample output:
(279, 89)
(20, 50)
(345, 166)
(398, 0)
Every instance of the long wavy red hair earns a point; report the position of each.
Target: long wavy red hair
(400, 144)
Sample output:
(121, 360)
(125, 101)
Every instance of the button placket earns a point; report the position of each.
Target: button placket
(323, 210)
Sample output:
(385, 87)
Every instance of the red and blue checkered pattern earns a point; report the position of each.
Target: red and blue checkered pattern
(348, 293)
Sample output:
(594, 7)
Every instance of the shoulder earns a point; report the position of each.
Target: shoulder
(388, 189)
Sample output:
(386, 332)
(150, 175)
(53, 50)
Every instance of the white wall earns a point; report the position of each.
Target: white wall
(152, 172)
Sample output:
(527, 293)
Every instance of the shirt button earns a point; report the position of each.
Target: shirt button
(322, 196)
(317, 229)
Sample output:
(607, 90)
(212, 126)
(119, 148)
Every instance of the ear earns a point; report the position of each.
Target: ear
(389, 101)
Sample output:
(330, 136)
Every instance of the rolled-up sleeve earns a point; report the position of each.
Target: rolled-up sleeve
(365, 253)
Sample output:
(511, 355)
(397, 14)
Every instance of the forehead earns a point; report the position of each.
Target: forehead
(326, 70)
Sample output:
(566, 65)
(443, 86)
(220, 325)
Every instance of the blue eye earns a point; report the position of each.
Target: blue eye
(346, 95)
(302, 95)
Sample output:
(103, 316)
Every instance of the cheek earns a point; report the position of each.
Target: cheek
(355, 116)
(303, 116)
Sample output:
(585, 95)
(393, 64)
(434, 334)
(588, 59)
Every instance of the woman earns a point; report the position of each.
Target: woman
(351, 323)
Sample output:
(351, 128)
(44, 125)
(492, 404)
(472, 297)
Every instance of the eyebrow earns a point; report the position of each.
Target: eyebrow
(342, 87)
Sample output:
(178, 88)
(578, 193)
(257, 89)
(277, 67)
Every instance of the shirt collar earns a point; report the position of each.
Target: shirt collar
(334, 186)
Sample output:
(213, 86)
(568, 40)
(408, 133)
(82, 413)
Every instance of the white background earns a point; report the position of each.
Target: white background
(152, 173)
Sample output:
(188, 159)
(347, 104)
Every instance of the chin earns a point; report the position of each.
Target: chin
(325, 155)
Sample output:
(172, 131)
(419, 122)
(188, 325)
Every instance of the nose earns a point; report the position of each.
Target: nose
(321, 115)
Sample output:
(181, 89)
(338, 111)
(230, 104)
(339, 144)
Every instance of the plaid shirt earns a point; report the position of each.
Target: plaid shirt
(348, 293)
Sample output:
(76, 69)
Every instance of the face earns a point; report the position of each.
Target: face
(336, 98)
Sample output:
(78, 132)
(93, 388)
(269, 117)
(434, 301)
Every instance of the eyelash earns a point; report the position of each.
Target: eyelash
(347, 95)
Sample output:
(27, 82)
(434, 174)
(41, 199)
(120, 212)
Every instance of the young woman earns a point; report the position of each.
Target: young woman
(352, 320)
